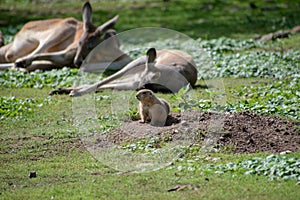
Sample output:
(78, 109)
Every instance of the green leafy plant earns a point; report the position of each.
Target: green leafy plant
(282, 97)
(184, 99)
(252, 63)
(11, 107)
(145, 145)
(273, 166)
(38, 79)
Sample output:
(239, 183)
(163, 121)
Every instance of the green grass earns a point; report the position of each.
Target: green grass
(47, 142)
(148, 185)
(261, 77)
(206, 19)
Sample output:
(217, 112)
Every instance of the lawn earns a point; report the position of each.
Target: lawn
(50, 145)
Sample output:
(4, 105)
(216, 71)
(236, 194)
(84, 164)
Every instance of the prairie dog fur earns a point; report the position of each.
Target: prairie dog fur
(152, 108)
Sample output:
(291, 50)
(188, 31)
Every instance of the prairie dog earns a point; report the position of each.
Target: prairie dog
(152, 108)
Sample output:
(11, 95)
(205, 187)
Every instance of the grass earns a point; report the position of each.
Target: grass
(206, 19)
(151, 186)
(47, 140)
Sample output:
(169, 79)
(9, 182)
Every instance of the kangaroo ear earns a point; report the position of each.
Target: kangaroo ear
(151, 55)
(87, 16)
(107, 25)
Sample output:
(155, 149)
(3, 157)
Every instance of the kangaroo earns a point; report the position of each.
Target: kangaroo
(162, 70)
(55, 43)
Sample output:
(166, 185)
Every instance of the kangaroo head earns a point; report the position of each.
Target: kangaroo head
(92, 35)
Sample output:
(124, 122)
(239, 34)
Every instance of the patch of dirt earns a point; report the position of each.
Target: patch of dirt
(242, 132)
(249, 132)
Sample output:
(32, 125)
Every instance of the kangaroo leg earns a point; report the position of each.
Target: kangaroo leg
(4, 66)
(64, 90)
(3, 51)
(42, 65)
(121, 86)
(58, 59)
(19, 48)
(61, 91)
(39, 53)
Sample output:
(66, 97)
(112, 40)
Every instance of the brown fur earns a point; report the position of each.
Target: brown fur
(56, 43)
(162, 70)
(152, 108)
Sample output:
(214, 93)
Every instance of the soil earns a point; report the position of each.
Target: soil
(242, 132)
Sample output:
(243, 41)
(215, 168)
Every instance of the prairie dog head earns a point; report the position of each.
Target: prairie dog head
(145, 95)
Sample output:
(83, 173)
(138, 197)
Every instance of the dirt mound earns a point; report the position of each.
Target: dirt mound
(249, 132)
(241, 132)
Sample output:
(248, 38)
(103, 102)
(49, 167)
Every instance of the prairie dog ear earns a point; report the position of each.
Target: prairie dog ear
(151, 55)
(87, 16)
